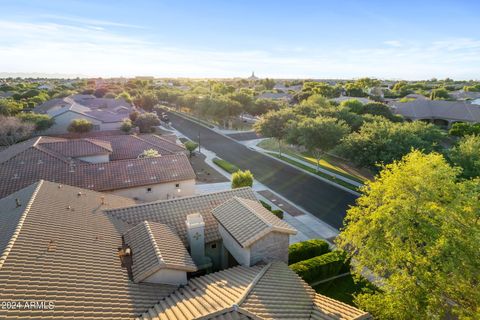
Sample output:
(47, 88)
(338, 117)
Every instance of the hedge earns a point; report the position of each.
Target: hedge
(278, 213)
(307, 249)
(321, 267)
(225, 165)
(266, 205)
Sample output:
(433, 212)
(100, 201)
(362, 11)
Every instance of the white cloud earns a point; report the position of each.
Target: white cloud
(393, 43)
(97, 49)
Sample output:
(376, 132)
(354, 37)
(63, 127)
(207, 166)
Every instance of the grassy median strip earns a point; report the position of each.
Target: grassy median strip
(320, 174)
(225, 165)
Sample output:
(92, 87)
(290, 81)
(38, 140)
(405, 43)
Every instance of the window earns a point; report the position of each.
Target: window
(214, 245)
(177, 185)
(149, 189)
(96, 127)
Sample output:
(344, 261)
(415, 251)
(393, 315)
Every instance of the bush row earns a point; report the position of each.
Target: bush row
(225, 165)
(277, 212)
(321, 267)
(307, 249)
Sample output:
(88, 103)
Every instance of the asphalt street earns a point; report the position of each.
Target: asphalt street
(323, 200)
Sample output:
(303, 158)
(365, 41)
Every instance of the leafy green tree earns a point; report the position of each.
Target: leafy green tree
(150, 153)
(10, 107)
(133, 115)
(382, 141)
(274, 124)
(460, 129)
(318, 135)
(416, 229)
(126, 125)
(190, 146)
(439, 94)
(100, 92)
(262, 106)
(146, 101)
(146, 122)
(80, 126)
(353, 89)
(353, 105)
(125, 96)
(41, 121)
(466, 154)
(242, 179)
(268, 84)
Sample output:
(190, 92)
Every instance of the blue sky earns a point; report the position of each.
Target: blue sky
(289, 39)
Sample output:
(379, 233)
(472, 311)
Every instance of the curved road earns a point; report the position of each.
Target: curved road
(321, 199)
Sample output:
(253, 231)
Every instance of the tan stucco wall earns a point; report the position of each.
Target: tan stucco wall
(162, 191)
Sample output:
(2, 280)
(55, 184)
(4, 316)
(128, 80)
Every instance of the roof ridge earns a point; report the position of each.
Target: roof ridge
(154, 243)
(15, 234)
(203, 195)
(268, 223)
(252, 284)
(153, 144)
(52, 153)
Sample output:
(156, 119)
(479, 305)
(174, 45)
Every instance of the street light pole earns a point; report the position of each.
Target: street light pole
(199, 146)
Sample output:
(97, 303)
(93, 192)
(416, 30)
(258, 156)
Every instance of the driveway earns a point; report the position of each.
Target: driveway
(323, 200)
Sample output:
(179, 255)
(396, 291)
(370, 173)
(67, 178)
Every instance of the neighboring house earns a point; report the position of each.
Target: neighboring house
(103, 113)
(45, 87)
(440, 112)
(109, 165)
(465, 95)
(93, 255)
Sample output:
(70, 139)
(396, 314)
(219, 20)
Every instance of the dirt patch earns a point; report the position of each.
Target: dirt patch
(205, 173)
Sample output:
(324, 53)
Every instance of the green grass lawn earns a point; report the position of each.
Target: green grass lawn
(320, 174)
(344, 288)
(326, 161)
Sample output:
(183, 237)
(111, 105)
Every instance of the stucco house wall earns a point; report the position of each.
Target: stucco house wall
(272, 247)
(162, 191)
(242, 255)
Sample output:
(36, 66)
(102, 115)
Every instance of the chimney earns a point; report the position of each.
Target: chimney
(196, 237)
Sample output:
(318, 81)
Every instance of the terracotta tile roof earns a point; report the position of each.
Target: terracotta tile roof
(131, 146)
(325, 308)
(280, 294)
(102, 109)
(78, 147)
(133, 173)
(247, 221)
(32, 160)
(205, 295)
(64, 250)
(174, 212)
(232, 313)
(270, 291)
(155, 246)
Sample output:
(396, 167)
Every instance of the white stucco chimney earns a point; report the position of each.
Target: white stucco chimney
(196, 237)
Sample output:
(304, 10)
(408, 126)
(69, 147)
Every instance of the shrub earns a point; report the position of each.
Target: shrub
(266, 205)
(306, 250)
(242, 179)
(225, 165)
(278, 213)
(321, 267)
(126, 126)
(41, 121)
(80, 126)
(146, 122)
(190, 146)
